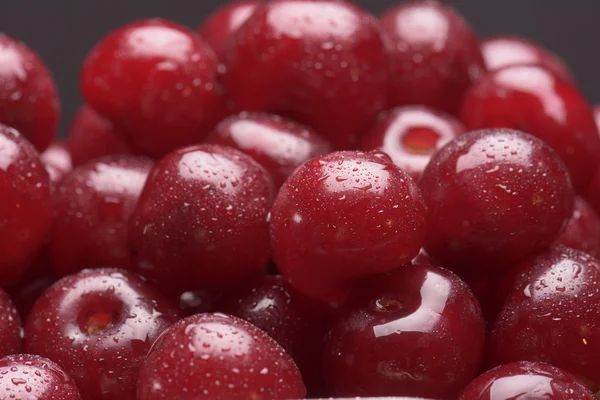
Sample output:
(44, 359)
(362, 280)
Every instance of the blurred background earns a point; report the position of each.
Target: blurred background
(63, 31)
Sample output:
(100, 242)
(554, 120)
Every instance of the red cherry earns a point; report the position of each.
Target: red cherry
(57, 160)
(592, 194)
(526, 380)
(344, 216)
(215, 356)
(320, 62)
(296, 322)
(90, 136)
(222, 24)
(199, 301)
(434, 55)
(410, 135)
(157, 82)
(504, 51)
(494, 197)
(551, 315)
(25, 205)
(417, 331)
(278, 144)
(92, 207)
(99, 325)
(10, 326)
(583, 230)
(533, 100)
(27, 376)
(25, 293)
(202, 219)
(28, 97)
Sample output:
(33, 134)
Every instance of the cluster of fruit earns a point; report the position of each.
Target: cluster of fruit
(300, 199)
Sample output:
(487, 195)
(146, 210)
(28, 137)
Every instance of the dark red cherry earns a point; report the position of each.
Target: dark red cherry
(215, 356)
(36, 280)
(583, 230)
(592, 193)
(526, 380)
(157, 82)
(410, 135)
(295, 321)
(552, 314)
(31, 377)
(92, 208)
(504, 51)
(28, 97)
(222, 24)
(344, 216)
(434, 55)
(202, 219)
(57, 160)
(10, 326)
(533, 100)
(90, 136)
(417, 331)
(320, 62)
(25, 205)
(199, 301)
(278, 144)
(98, 325)
(494, 197)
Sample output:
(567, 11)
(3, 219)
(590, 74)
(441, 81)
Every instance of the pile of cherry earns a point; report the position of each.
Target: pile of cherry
(300, 200)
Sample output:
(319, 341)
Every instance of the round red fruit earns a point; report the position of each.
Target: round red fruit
(10, 326)
(58, 162)
(583, 230)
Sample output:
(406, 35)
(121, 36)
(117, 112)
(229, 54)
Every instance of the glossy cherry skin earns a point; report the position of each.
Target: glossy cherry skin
(526, 380)
(533, 100)
(10, 326)
(25, 205)
(434, 55)
(58, 162)
(157, 82)
(583, 230)
(92, 207)
(319, 62)
(410, 135)
(202, 219)
(91, 136)
(295, 321)
(344, 216)
(392, 336)
(218, 29)
(494, 197)
(504, 51)
(199, 301)
(551, 314)
(28, 96)
(36, 281)
(216, 356)
(278, 144)
(27, 376)
(98, 325)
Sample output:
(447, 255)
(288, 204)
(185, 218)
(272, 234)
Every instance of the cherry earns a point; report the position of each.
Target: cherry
(532, 99)
(99, 325)
(504, 51)
(28, 96)
(417, 331)
(222, 24)
(296, 322)
(320, 62)
(25, 205)
(551, 315)
(199, 301)
(278, 144)
(583, 230)
(410, 135)
(202, 219)
(434, 55)
(36, 281)
(90, 136)
(92, 207)
(526, 380)
(58, 162)
(26, 376)
(592, 194)
(10, 326)
(494, 197)
(157, 82)
(215, 356)
(344, 216)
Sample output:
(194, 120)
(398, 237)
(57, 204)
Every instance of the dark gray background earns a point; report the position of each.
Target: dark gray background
(62, 31)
